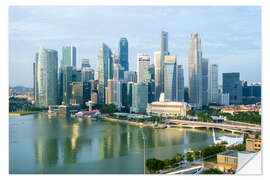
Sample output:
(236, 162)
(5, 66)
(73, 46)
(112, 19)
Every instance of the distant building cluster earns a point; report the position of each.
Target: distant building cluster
(136, 91)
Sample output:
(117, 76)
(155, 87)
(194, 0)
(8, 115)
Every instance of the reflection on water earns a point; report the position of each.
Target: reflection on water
(42, 144)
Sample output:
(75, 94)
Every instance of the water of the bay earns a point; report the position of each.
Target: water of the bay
(42, 144)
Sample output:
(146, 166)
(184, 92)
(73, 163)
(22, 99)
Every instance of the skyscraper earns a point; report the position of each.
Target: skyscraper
(194, 71)
(87, 74)
(143, 60)
(213, 84)
(233, 86)
(204, 81)
(139, 97)
(130, 76)
(105, 70)
(69, 56)
(35, 68)
(170, 77)
(85, 63)
(164, 44)
(47, 76)
(110, 92)
(158, 74)
(66, 80)
(163, 52)
(179, 83)
(118, 72)
(123, 53)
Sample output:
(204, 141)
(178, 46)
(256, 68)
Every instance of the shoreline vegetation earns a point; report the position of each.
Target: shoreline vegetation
(21, 113)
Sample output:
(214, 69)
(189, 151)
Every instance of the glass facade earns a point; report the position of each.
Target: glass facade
(233, 86)
(170, 78)
(69, 56)
(105, 70)
(123, 53)
(47, 77)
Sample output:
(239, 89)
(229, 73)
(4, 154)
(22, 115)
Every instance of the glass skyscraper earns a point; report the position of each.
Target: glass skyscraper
(47, 77)
(195, 71)
(170, 78)
(179, 83)
(69, 56)
(213, 84)
(139, 97)
(105, 70)
(204, 81)
(123, 53)
(233, 86)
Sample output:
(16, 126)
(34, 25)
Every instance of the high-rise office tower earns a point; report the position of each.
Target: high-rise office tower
(47, 77)
(204, 81)
(118, 72)
(68, 59)
(143, 60)
(124, 96)
(233, 86)
(139, 97)
(86, 92)
(87, 74)
(85, 63)
(158, 74)
(130, 86)
(66, 80)
(170, 77)
(194, 71)
(179, 83)
(117, 92)
(69, 56)
(164, 50)
(164, 44)
(213, 84)
(123, 53)
(35, 68)
(110, 92)
(105, 70)
(130, 76)
(76, 97)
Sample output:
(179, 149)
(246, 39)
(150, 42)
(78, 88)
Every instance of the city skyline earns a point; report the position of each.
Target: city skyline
(239, 44)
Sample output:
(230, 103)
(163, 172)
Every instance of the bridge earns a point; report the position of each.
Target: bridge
(197, 124)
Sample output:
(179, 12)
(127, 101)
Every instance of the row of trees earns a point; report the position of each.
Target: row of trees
(248, 117)
(22, 105)
(155, 165)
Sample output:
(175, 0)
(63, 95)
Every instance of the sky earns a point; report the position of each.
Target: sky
(230, 35)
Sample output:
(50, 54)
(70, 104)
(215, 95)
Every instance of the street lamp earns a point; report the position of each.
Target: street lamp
(143, 150)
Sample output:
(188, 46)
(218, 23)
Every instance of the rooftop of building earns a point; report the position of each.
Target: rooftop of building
(230, 153)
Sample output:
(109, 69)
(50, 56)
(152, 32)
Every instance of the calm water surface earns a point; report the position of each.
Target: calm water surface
(40, 144)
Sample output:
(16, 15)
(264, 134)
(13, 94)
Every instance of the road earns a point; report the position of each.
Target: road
(235, 127)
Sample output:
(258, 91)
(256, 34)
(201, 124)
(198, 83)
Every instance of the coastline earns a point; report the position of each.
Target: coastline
(123, 121)
(22, 113)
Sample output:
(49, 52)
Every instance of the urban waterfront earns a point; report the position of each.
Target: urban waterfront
(42, 144)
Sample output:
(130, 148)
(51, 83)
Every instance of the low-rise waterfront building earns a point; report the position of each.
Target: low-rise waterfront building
(227, 161)
(167, 109)
(253, 144)
(242, 108)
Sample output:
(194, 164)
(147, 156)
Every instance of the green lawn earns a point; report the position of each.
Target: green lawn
(23, 112)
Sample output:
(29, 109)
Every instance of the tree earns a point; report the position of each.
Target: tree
(154, 165)
(107, 108)
(166, 162)
(213, 149)
(196, 154)
(189, 157)
(212, 171)
(180, 157)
